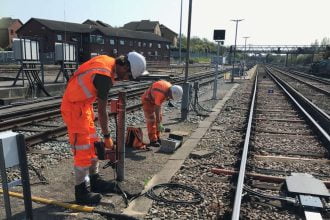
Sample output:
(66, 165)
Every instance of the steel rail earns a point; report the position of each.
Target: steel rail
(114, 93)
(325, 92)
(242, 169)
(318, 79)
(316, 116)
(62, 130)
(308, 113)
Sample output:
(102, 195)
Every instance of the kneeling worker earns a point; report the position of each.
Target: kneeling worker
(92, 81)
(152, 100)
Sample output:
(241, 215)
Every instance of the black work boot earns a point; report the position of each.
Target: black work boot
(154, 144)
(99, 185)
(84, 196)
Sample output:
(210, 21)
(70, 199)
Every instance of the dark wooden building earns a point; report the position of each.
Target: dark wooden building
(170, 35)
(153, 27)
(95, 38)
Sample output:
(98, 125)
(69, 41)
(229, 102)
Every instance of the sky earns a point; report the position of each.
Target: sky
(266, 22)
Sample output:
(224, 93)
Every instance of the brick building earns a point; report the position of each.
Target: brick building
(8, 28)
(153, 27)
(96, 37)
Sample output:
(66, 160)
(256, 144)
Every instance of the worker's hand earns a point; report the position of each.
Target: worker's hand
(160, 127)
(108, 143)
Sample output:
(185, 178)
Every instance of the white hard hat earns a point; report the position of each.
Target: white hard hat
(138, 64)
(176, 92)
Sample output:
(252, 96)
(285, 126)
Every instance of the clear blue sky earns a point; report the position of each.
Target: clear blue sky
(266, 21)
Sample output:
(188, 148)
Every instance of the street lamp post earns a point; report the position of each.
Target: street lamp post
(185, 97)
(232, 72)
(215, 87)
(245, 51)
(180, 44)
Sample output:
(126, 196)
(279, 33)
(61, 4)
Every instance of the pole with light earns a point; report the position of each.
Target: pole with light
(219, 37)
(232, 72)
(185, 97)
(245, 51)
(180, 44)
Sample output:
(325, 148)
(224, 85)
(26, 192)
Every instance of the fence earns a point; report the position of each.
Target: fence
(7, 57)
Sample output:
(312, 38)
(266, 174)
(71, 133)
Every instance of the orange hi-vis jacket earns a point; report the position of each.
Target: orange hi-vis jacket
(151, 98)
(77, 108)
(157, 93)
(80, 87)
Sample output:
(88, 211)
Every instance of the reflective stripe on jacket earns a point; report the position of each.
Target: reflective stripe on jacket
(80, 87)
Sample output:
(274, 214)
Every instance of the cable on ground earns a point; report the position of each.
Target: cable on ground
(259, 194)
(151, 194)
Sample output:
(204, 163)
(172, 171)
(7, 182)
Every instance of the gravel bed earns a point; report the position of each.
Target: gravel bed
(257, 208)
(317, 169)
(280, 143)
(316, 97)
(223, 140)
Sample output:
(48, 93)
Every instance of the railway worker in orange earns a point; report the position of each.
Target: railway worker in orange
(92, 82)
(152, 100)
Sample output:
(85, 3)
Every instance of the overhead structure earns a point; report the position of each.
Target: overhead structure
(282, 49)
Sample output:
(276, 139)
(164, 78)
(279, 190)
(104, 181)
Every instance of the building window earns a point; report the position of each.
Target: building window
(141, 52)
(59, 37)
(99, 39)
(11, 31)
(159, 46)
(156, 53)
(122, 42)
(150, 45)
(167, 46)
(112, 42)
(74, 39)
(139, 44)
(149, 53)
(131, 43)
(92, 39)
(144, 44)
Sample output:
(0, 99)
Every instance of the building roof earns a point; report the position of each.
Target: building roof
(5, 22)
(144, 25)
(162, 27)
(63, 26)
(121, 32)
(87, 28)
(97, 23)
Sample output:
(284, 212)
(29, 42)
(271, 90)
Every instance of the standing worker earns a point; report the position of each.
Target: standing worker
(91, 82)
(152, 100)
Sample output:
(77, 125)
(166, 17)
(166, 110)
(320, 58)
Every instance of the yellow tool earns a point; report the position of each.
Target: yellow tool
(75, 207)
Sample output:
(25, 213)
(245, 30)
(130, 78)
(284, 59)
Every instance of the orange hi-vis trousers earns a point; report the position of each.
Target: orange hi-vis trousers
(79, 118)
(150, 117)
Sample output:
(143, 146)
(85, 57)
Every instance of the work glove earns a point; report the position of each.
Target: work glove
(161, 127)
(108, 143)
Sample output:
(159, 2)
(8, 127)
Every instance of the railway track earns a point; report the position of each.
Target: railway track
(316, 90)
(250, 155)
(285, 148)
(34, 121)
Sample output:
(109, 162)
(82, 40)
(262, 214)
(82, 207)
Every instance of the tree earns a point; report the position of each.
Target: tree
(325, 41)
(200, 45)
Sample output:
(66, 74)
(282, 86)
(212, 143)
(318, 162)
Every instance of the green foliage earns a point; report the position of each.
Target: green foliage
(1, 49)
(200, 60)
(325, 41)
(200, 45)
